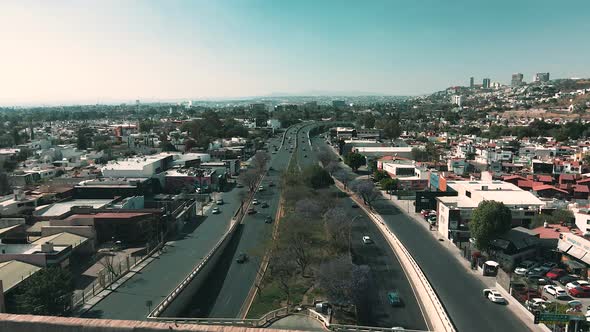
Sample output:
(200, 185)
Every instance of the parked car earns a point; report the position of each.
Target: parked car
(271, 184)
(264, 205)
(239, 185)
(268, 219)
(260, 188)
(219, 201)
(556, 274)
(394, 298)
(555, 291)
(521, 271)
(527, 295)
(367, 239)
(215, 210)
(251, 210)
(579, 292)
(536, 271)
(354, 205)
(493, 295)
(255, 202)
(242, 258)
(578, 283)
(549, 265)
(568, 278)
(527, 264)
(432, 220)
(536, 304)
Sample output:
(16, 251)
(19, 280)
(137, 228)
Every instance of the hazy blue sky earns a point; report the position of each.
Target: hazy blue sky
(112, 50)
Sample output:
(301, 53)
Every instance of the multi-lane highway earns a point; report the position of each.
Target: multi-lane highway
(227, 287)
(459, 291)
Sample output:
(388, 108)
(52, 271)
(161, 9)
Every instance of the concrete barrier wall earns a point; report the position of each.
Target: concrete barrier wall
(185, 293)
(30, 323)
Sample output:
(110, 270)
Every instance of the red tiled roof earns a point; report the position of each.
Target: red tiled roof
(552, 232)
(512, 177)
(581, 189)
(545, 178)
(584, 180)
(548, 187)
(566, 177)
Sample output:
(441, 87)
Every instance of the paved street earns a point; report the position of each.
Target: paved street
(160, 277)
(228, 286)
(458, 291)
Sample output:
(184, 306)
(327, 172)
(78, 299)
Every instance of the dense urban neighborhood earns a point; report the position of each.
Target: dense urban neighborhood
(401, 212)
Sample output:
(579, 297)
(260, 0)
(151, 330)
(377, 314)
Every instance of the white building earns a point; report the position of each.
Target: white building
(140, 167)
(454, 212)
(458, 100)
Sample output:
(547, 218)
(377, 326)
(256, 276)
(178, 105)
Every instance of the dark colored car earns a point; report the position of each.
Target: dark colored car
(242, 258)
(568, 278)
(354, 206)
(527, 295)
(251, 210)
(264, 205)
(268, 220)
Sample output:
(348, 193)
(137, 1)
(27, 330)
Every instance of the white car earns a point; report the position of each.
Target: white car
(367, 239)
(521, 271)
(493, 295)
(255, 202)
(578, 283)
(215, 210)
(260, 188)
(536, 303)
(555, 291)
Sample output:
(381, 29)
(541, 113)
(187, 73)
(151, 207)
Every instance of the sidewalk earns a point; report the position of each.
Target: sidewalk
(91, 302)
(516, 308)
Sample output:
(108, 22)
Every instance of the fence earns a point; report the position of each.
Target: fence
(259, 322)
(108, 275)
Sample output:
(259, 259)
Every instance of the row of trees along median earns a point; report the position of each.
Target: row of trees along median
(310, 259)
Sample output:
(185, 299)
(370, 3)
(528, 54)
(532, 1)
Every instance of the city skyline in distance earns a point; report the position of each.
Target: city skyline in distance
(65, 52)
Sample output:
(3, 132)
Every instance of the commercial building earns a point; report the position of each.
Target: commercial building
(541, 77)
(457, 100)
(575, 251)
(410, 176)
(454, 212)
(471, 82)
(517, 80)
(339, 104)
(486, 83)
(146, 167)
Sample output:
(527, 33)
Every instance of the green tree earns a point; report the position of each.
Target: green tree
(354, 160)
(389, 184)
(317, 177)
(47, 292)
(83, 138)
(379, 175)
(489, 220)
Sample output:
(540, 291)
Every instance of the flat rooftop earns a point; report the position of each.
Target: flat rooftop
(57, 209)
(14, 272)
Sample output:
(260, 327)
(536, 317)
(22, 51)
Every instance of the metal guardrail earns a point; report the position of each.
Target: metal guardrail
(259, 322)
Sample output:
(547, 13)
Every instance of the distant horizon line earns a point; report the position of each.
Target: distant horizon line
(145, 101)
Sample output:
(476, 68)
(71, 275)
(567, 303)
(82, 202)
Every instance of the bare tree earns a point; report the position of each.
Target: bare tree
(108, 264)
(343, 176)
(332, 167)
(325, 156)
(249, 178)
(366, 189)
(344, 282)
(337, 224)
(308, 208)
(298, 244)
(282, 270)
(259, 161)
